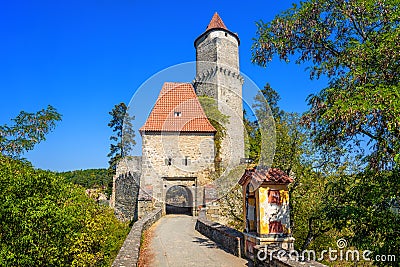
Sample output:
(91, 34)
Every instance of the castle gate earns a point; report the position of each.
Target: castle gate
(180, 194)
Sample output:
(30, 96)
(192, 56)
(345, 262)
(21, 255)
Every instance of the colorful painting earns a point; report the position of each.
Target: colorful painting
(274, 211)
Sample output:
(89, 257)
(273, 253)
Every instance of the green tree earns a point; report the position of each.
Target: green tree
(230, 198)
(124, 135)
(272, 98)
(217, 120)
(266, 111)
(289, 134)
(28, 130)
(46, 221)
(252, 138)
(265, 133)
(91, 179)
(295, 155)
(354, 43)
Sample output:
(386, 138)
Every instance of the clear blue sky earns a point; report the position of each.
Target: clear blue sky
(83, 57)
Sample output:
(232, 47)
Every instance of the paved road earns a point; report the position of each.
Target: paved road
(176, 243)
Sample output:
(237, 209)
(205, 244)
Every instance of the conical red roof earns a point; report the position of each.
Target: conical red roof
(216, 23)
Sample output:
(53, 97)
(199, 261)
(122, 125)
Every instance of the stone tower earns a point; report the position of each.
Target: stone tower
(218, 76)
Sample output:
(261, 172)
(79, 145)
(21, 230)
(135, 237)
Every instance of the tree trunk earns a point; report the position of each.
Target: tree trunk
(310, 235)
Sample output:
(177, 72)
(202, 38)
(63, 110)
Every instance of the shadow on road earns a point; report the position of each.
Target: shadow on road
(204, 242)
(208, 243)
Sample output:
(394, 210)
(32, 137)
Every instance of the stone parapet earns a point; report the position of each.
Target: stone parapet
(126, 177)
(125, 196)
(233, 242)
(128, 255)
(229, 238)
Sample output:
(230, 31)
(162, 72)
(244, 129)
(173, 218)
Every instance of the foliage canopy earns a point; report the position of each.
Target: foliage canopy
(28, 130)
(46, 221)
(355, 44)
(124, 138)
(218, 120)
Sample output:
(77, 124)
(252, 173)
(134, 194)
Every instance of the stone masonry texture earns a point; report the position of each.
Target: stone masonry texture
(191, 154)
(128, 255)
(126, 189)
(218, 76)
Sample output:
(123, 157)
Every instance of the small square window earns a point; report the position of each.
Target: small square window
(177, 114)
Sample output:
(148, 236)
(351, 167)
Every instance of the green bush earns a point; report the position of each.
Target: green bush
(91, 178)
(46, 221)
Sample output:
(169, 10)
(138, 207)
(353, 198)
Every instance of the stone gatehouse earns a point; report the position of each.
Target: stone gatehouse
(178, 139)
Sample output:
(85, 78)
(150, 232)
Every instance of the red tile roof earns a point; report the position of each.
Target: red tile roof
(216, 23)
(177, 109)
(273, 175)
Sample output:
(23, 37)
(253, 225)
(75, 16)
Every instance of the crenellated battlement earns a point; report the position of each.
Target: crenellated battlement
(207, 74)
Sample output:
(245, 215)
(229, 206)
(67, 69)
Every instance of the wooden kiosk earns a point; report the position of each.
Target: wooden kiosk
(266, 209)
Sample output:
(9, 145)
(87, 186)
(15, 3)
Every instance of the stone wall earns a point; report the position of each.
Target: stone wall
(217, 46)
(230, 239)
(129, 164)
(197, 149)
(233, 242)
(128, 255)
(210, 208)
(218, 76)
(125, 192)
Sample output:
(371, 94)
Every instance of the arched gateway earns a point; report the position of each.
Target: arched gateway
(180, 195)
(179, 200)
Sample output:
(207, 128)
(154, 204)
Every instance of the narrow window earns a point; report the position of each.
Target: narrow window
(177, 113)
(168, 161)
(186, 161)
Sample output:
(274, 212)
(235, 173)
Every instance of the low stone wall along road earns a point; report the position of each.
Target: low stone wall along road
(176, 243)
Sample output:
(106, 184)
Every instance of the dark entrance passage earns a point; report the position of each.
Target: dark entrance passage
(179, 200)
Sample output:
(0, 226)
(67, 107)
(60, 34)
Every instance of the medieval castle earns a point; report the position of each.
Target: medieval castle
(178, 152)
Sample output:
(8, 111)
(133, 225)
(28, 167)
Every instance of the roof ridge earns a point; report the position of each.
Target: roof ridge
(272, 175)
(167, 86)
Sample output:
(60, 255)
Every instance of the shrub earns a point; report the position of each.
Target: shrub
(46, 221)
